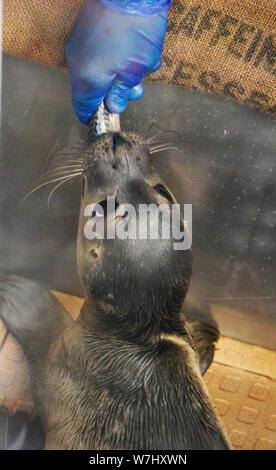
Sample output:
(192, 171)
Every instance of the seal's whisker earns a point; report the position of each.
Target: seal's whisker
(62, 160)
(54, 164)
(63, 164)
(162, 149)
(161, 145)
(162, 132)
(72, 165)
(54, 174)
(56, 187)
(150, 128)
(58, 174)
(44, 184)
(60, 170)
(151, 139)
(65, 157)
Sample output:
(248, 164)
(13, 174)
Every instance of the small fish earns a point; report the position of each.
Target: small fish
(103, 122)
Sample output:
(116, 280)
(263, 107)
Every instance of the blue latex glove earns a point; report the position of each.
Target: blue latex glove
(114, 44)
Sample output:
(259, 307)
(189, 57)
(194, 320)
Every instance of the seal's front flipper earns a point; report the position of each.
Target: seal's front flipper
(203, 329)
(31, 313)
(205, 337)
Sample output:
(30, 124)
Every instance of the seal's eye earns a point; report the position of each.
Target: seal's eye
(160, 189)
(103, 208)
(98, 212)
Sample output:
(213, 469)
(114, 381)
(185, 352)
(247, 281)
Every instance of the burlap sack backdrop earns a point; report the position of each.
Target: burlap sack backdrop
(219, 46)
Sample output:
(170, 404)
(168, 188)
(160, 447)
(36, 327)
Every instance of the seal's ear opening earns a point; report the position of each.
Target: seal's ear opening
(160, 189)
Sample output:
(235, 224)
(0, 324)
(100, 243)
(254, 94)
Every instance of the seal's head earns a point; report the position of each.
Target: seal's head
(135, 266)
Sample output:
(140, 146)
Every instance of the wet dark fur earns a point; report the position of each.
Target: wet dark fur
(125, 375)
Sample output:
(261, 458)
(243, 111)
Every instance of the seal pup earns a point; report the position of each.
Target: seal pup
(125, 375)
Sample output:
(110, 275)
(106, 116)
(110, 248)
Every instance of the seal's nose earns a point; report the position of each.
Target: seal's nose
(118, 141)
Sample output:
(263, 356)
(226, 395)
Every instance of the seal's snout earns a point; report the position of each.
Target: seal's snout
(118, 141)
(126, 152)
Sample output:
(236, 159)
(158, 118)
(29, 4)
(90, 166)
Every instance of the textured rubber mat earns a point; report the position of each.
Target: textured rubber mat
(246, 403)
(241, 382)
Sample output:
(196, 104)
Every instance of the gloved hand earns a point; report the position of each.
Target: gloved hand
(111, 49)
